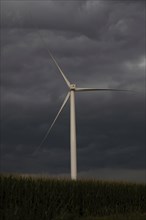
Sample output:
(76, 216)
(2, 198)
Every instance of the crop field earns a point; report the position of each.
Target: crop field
(31, 198)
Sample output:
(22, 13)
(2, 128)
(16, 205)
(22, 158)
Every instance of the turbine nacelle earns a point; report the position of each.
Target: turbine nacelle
(72, 86)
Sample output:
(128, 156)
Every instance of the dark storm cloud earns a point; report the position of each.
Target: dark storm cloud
(74, 16)
(97, 44)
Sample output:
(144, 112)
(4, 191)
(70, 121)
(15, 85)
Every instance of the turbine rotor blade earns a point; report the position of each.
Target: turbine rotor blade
(49, 130)
(95, 89)
(63, 75)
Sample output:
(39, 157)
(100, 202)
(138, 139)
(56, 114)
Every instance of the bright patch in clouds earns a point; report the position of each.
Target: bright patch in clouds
(139, 64)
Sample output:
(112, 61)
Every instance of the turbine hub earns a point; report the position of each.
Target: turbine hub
(72, 86)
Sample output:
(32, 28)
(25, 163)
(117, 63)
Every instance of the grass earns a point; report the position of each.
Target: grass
(44, 198)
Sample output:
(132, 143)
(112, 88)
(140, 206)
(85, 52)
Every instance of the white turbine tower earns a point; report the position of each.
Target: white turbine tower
(71, 94)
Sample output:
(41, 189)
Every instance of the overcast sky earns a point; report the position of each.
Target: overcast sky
(97, 44)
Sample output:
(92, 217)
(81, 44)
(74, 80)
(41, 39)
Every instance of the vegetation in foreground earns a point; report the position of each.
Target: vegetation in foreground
(131, 216)
(46, 199)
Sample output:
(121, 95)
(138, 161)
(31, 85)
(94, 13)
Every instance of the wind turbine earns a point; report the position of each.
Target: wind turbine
(71, 95)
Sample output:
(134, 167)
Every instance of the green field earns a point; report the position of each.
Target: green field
(45, 199)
